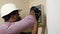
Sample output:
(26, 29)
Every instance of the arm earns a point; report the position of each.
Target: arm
(25, 23)
(35, 28)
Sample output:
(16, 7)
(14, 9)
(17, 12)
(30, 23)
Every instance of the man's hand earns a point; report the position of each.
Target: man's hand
(32, 13)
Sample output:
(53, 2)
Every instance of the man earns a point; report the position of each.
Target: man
(13, 24)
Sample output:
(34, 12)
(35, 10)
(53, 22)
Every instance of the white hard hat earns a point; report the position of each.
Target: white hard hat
(8, 8)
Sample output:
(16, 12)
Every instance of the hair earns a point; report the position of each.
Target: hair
(37, 12)
(7, 17)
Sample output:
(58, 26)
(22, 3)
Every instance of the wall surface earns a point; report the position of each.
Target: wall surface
(53, 16)
(25, 6)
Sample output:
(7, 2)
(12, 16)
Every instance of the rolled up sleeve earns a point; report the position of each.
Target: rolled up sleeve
(19, 26)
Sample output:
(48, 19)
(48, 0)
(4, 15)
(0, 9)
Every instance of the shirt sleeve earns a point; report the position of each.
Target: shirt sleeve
(19, 26)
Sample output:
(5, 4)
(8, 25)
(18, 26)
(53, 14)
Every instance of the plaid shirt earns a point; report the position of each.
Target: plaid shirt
(17, 27)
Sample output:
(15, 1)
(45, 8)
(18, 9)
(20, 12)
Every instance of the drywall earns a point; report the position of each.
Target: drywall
(53, 16)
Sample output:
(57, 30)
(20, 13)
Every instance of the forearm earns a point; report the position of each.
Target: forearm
(35, 28)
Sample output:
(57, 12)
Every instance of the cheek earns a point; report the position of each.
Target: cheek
(17, 17)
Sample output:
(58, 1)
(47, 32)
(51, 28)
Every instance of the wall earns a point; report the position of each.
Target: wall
(53, 16)
(21, 4)
(25, 5)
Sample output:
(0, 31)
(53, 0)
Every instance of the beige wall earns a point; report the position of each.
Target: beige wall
(24, 5)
